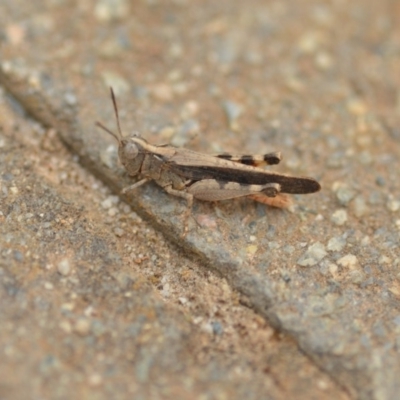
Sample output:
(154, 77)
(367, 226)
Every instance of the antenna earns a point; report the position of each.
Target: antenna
(100, 125)
(116, 111)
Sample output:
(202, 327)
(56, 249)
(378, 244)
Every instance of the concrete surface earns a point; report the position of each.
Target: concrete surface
(81, 271)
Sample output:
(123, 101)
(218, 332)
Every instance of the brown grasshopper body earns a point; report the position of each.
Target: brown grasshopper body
(189, 174)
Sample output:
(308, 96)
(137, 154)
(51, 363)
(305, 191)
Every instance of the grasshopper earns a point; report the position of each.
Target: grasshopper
(192, 175)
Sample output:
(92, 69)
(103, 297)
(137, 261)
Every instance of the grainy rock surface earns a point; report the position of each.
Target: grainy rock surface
(93, 298)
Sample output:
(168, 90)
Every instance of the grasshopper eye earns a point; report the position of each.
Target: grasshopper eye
(131, 150)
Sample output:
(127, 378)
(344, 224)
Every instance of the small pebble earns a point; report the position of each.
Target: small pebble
(65, 326)
(339, 217)
(233, 111)
(344, 194)
(162, 92)
(380, 181)
(365, 241)
(393, 205)
(166, 290)
(82, 326)
(70, 99)
(111, 10)
(183, 300)
(206, 221)
(64, 267)
(336, 244)
(323, 60)
(348, 261)
(118, 232)
(309, 42)
(360, 207)
(67, 306)
(113, 211)
(207, 328)
(322, 384)
(95, 380)
(175, 50)
(251, 249)
(217, 327)
(356, 276)
(333, 269)
(18, 256)
(190, 109)
(119, 84)
(289, 249)
(274, 245)
(314, 254)
(293, 83)
(109, 202)
(384, 260)
(356, 106)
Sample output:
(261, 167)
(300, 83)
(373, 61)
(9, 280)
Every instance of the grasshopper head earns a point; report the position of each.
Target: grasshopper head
(130, 150)
(131, 154)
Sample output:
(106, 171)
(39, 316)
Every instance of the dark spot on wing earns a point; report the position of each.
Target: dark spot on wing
(247, 160)
(272, 158)
(225, 156)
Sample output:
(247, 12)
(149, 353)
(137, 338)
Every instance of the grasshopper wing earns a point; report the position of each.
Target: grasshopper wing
(196, 167)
